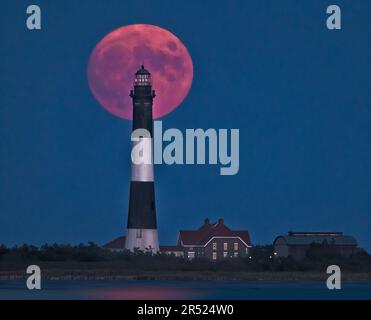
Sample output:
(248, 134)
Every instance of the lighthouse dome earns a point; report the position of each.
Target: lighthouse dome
(142, 70)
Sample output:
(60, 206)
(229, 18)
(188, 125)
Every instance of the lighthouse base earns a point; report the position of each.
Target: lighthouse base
(143, 239)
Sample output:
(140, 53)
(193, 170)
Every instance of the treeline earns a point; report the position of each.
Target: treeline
(260, 259)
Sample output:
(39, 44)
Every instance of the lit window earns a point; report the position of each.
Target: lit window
(191, 254)
(235, 245)
(214, 255)
(225, 254)
(235, 254)
(225, 245)
(214, 245)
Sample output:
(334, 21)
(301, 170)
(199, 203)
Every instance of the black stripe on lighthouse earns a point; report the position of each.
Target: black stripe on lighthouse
(142, 209)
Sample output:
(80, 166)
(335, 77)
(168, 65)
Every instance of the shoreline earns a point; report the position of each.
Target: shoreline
(77, 275)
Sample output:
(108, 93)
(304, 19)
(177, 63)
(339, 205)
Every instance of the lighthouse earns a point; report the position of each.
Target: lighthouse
(142, 225)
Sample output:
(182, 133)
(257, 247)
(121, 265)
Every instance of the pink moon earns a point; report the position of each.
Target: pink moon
(116, 58)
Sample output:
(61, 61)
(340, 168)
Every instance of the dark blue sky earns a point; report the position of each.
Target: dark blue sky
(299, 93)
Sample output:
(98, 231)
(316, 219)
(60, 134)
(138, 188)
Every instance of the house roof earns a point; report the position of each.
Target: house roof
(207, 231)
(118, 243)
(340, 240)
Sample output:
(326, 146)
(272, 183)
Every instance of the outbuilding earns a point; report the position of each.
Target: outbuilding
(296, 244)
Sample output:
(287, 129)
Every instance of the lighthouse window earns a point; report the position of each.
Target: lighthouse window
(139, 233)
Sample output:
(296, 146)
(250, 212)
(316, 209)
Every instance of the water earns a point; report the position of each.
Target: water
(178, 290)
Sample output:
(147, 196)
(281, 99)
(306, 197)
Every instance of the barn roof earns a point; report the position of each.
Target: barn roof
(209, 230)
(340, 240)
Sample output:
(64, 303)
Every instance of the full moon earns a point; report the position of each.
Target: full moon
(116, 58)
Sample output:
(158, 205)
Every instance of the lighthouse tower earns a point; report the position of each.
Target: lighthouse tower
(142, 225)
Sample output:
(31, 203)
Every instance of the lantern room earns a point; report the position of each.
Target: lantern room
(142, 77)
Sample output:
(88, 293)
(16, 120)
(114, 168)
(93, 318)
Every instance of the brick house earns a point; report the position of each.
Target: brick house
(213, 241)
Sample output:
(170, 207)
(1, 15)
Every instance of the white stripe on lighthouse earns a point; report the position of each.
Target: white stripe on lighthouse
(142, 239)
(142, 160)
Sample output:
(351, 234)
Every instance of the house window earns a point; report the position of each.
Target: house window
(214, 255)
(225, 246)
(191, 254)
(235, 254)
(139, 233)
(235, 246)
(214, 245)
(225, 254)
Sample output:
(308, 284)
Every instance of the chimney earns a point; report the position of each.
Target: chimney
(220, 221)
